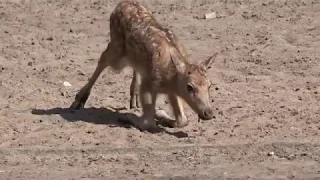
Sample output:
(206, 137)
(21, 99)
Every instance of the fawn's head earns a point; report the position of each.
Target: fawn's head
(193, 85)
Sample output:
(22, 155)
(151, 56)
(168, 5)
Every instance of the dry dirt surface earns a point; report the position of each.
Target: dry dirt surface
(266, 93)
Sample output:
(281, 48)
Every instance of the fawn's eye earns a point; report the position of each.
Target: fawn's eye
(190, 88)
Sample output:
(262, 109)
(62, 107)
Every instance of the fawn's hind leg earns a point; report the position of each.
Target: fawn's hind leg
(135, 90)
(110, 57)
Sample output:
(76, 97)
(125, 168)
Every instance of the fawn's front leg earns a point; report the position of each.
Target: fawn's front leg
(180, 118)
(177, 106)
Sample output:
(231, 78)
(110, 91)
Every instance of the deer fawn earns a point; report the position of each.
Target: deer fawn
(160, 67)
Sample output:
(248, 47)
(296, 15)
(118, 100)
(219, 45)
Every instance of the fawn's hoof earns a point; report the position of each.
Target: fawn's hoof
(150, 127)
(137, 122)
(173, 123)
(177, 124)
(165, 120)
(76, 105)
(80, 100)
(146, 125)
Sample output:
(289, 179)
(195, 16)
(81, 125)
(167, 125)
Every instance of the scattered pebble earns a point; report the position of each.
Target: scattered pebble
(210, 15)
(143, 171)
(30, 63)
(215, 36)
(81, 73)
(50, 38)
(66, 84)
(90, 132)
(190, 158)
(1, 68)
(62, 93)
(271, 153)
(304, 154)
(291, 157)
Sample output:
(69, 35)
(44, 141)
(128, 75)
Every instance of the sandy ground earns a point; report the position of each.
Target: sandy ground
(266, 93)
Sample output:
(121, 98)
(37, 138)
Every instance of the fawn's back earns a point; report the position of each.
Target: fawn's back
(144, 42)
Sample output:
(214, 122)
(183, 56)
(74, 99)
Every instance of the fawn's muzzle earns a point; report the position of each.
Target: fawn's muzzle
(206, 114)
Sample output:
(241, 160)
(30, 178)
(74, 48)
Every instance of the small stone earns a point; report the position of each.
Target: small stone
(1, 68)
(210, 15)
(30, 63)
(215, 36)
(50, 38)
(304, 154)
(143, 171)
(81, 73)
(271, 153)
(291, 157)
(66, 84)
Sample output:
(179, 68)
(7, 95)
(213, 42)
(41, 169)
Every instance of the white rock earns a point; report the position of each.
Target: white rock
(210, 15)
(66, 84)
(271, 153)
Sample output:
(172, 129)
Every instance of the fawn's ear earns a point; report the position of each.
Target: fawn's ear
(178, 63)
(207, 63)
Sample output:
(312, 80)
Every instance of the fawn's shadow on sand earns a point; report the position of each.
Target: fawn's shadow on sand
(99, 116)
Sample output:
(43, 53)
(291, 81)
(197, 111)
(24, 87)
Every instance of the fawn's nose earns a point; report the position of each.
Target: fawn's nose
(207, 114)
